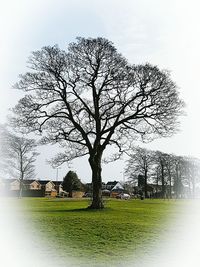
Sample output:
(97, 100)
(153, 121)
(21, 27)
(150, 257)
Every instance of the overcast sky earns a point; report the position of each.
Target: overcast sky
(165, 33)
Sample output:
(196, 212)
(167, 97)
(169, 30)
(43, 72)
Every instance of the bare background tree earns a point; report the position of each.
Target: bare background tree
(140, 163)
(178, 176)
(160, 159)
(90, 97)
(17, 156)
(191, 174)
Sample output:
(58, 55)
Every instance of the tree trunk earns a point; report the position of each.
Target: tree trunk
(170, 184)
(177, 181)
(157, 181)
(170, 187)
(163, 180)
(193, 187)
(95, 163)
(20, 188)
(70, 193)
(21, 174)
(145, 184)
(190, 190)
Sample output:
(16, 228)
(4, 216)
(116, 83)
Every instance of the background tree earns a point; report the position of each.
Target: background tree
(90, 97)
(18, 155)
(161, 159)
(170, 161)
(140, 163)
(191, 174)
(129, 186)
(178, 176)
(71, 182)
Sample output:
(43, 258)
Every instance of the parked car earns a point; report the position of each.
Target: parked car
(123, 196)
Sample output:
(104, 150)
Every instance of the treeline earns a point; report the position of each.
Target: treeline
(176, 176)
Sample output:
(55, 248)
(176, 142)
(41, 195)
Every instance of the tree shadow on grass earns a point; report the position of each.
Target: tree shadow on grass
(74, 210)
(150, 202)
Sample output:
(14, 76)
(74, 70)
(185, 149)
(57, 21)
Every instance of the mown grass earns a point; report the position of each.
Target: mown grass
(123, 229)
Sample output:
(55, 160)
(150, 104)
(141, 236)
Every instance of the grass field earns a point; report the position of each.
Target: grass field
(122, 230)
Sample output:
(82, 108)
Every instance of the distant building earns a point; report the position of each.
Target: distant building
(30, 187)
(110, 185)
(117, 189)
(51, 188)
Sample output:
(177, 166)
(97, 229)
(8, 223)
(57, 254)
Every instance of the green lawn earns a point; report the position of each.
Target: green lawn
(123, 229)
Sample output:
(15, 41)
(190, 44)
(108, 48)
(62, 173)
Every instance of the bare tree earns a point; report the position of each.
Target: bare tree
(17, 155)
(178, 172)
(163, 171)
(90, 97)
(191, 173)
(140, 162)
(170, 164)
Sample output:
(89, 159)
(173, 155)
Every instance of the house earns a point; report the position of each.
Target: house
(58, 187)
(48, 187)
(110, 185)
(51, 188)
(31, 185)
(14, 184)
(117, 189)
(118, 186)
(32, 188)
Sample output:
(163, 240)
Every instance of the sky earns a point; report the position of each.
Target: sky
(164, 33)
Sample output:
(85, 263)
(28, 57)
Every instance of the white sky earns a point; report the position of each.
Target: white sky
(165, 33)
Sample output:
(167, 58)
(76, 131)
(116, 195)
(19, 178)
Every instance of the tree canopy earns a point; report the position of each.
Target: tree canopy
(89, 97)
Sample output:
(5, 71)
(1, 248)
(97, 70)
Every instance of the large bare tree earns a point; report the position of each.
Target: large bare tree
(89, 97)
(17, 156)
